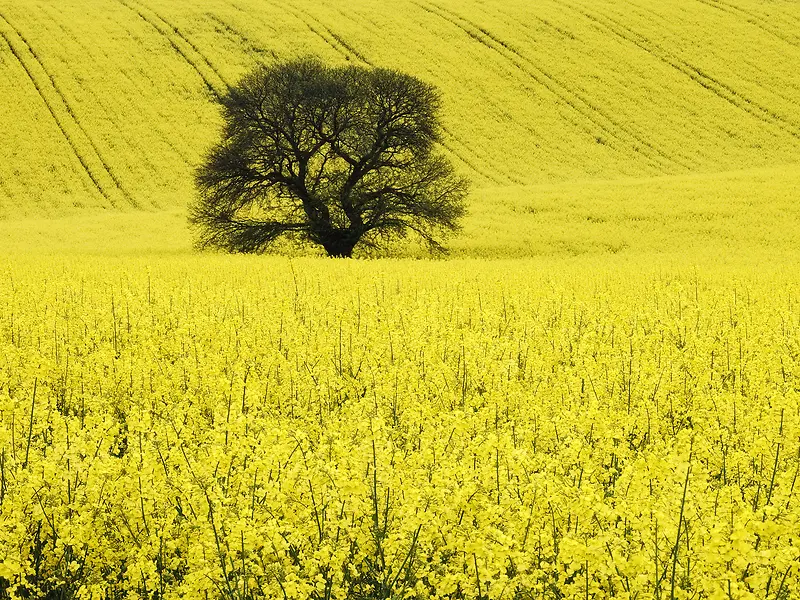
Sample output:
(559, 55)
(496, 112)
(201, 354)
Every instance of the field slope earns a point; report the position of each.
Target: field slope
(109, 103)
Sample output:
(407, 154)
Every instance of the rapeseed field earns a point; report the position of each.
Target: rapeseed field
(595, 395)
(258, 427)
(109, 102)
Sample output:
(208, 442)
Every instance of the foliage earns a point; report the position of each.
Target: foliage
(339, 156)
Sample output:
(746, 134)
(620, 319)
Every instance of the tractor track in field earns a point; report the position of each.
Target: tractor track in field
(346, 46)
(570, 117)
(713, 85)
(101, 101)
(649, 13)
(330, 38)
(489, 162)
(327, 40)
(173, 35)
(375, 29)
(5, 191)
(787, 95)
(166, 136)
(565, 33)
(465, 160)
(64, 105)
(751, 18)
(234, 34)
(370, 26)
(573, 100)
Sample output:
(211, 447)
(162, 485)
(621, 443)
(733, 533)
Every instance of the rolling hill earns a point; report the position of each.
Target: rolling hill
(109, 103)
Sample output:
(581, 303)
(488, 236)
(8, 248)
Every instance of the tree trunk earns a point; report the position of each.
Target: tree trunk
(340, 242)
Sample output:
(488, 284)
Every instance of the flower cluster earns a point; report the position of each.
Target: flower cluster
(467, 430)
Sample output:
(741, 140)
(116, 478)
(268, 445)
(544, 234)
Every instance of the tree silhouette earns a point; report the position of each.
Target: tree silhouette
(338, 156)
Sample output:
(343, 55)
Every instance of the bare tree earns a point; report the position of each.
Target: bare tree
(338, 156)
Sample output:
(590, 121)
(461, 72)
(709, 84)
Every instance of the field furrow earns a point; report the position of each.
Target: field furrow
(110, 118)
(86, 132)
(331, 39)
(759, 71)
(581, 105)
(754, 19)
(708, 82)
(532, 93)
(239, 38)
(174, 29)
(62, 114)
(180, 45)
(464, 157)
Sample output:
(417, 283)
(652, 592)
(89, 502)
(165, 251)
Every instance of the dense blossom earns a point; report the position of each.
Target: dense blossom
(300, 429)
(109, 103)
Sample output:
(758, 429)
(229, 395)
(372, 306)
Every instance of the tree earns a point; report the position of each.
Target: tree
(335, 155)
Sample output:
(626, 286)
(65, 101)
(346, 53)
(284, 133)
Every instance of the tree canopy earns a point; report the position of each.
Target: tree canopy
(334, 155)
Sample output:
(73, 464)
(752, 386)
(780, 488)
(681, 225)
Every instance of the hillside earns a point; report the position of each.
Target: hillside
(108, 103)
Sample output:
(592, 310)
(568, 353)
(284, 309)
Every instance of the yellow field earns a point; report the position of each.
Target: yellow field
(534, 420)
(596, 395)
(107, 102)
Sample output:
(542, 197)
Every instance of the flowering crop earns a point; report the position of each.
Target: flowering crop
(109, 102)
(176, 426)
(248, 428)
